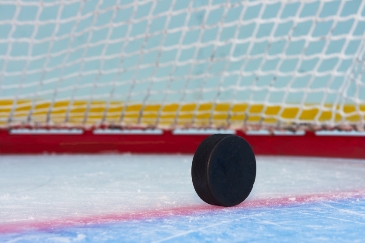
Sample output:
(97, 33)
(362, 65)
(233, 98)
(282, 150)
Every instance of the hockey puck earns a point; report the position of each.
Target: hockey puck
(223, 170)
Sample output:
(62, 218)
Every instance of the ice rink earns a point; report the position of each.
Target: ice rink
(150, 198)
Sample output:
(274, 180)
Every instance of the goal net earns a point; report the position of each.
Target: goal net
(170, 63)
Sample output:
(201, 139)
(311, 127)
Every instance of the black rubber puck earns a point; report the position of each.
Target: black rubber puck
(223, 170)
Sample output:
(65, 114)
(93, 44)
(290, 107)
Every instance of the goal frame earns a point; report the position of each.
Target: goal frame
(101, 140)
(158, 77)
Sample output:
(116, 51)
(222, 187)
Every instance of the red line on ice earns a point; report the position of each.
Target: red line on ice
(187, 210)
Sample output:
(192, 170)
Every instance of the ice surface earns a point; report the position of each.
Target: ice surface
(57, 188)
(47, 187)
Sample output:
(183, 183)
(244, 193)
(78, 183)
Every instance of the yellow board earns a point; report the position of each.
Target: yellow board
(81, 113)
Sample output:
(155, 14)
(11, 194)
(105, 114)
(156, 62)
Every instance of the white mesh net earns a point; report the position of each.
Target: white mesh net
(182, 63)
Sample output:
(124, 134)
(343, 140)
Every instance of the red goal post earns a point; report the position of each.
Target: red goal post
(340, 144)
